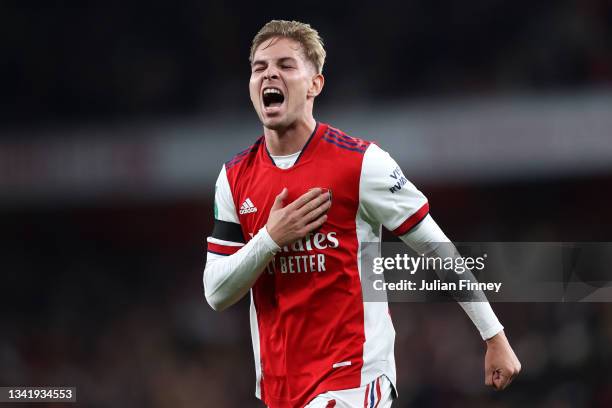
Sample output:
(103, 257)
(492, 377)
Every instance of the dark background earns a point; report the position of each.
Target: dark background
(101, 281)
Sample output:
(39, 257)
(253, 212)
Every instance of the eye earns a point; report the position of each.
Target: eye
(258, 68)
(286, 67)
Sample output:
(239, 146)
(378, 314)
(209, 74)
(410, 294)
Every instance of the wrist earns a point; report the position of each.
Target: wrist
(269, 241)
(494, 327)
(500, 337)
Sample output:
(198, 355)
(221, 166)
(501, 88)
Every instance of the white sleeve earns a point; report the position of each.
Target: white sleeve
(386, 195)
(228, 278)
(232, 267)
(425, 238)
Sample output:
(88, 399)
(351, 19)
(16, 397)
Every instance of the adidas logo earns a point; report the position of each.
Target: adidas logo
(247, 207)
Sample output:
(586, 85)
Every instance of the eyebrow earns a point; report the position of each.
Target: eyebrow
(280, 60)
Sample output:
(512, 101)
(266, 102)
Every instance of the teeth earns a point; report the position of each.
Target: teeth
(272, 90)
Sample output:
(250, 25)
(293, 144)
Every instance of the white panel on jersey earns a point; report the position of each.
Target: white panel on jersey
(256, 350)
(378, 349)
(386, 195)
(225, 210)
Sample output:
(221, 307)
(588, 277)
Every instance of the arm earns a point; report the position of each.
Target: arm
(228, 278)
(425, 238)
(233, 267)
(501, 364)
(388, 198)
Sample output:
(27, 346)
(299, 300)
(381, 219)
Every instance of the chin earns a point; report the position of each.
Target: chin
(275, 123)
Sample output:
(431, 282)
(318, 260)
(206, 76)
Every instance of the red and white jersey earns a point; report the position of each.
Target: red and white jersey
(312, 332)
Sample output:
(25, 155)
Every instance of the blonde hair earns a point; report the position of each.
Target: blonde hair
(308, 37)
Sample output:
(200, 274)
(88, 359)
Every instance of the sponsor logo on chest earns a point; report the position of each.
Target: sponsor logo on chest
(304, 255)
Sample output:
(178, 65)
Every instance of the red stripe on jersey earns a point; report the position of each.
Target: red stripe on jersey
(413, 220)
(223, 249)
(377, 392)
(331, 404)
(365, 400)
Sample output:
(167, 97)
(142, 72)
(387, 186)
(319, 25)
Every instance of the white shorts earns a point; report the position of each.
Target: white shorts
(377, 394)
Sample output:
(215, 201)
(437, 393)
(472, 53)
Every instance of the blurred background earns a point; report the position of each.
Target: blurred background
(117, 117)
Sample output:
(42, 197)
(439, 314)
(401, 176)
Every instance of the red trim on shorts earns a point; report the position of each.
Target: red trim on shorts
(377, 392)
(331, 404)
(365, 400)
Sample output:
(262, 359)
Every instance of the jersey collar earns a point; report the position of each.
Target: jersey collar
(313, 139)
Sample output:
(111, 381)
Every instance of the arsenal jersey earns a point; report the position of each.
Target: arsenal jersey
(312, 331)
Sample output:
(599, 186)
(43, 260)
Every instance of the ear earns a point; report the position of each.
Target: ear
(316, 85)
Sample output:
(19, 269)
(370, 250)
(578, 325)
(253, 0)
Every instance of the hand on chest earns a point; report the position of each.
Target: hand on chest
(257, 193)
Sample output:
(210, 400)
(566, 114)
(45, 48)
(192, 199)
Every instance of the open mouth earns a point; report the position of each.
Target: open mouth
(272, 97)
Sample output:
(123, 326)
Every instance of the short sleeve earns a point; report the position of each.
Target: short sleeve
(226, 237)
(386, 196)
(225, 210)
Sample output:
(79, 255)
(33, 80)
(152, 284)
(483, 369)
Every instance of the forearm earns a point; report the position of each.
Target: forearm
(227, 279)
(428, 238)
(483, 317)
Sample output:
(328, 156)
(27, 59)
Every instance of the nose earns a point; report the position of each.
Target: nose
(270, 73)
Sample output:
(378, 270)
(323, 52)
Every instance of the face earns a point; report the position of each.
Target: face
(283, 83)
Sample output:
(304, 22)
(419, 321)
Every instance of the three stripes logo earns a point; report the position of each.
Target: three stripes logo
(247, 207)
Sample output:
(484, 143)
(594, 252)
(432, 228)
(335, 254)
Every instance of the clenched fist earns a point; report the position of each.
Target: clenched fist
(501, 364)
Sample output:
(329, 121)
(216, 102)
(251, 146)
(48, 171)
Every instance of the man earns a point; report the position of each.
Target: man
(290, 214)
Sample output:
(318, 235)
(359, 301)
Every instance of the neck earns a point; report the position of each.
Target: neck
(283, 142)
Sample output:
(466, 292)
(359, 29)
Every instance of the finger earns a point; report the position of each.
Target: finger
(513, 376)
(315, 224)
(305, 198)
(500, 381)
(489, 377)
(329, 192)
(313, 205)
(326, 190)
(278, 201)
(317, 212)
